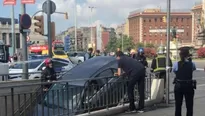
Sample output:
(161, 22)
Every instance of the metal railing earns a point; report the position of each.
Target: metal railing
(66, 97)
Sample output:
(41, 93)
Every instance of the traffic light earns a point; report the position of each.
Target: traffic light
(66, 15)
(39, 24)
(174, 33)
(164, 19)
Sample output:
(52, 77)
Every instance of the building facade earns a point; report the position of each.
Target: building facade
(148, 27)
(6, 34)
(197, 19)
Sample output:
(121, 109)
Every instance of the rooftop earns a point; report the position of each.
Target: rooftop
(7, 20)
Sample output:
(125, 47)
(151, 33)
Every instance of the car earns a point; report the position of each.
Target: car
(35, 66)
(77, 57)
(38, 56)
(72, 102)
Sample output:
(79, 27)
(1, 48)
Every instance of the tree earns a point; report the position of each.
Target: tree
(201, 52)
(112, 46)
(149, 45)
(140, 45)
(127, 43)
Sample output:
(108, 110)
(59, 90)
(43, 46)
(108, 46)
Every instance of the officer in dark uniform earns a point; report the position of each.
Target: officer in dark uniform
(184, 84)
(136, 74)
(141, 57)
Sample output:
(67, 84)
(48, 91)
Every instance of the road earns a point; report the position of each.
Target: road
(169, 111)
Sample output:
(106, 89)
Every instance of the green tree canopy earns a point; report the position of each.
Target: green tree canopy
(115, 43)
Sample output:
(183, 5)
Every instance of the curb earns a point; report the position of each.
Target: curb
(115, 110)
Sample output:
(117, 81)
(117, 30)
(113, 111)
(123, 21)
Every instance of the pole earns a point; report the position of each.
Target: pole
(76, 39)
(24, 46)
(122, 42)
(91, 33)
(168, 49)
(49, 29)
(177, 49)
(13, 30)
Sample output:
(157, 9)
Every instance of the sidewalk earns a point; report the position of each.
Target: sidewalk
(199, 107)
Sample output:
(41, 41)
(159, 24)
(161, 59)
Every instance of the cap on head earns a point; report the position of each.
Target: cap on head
(48, 61)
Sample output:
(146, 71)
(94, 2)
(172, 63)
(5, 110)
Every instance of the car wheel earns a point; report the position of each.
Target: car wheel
(79, 61)
(36, 77)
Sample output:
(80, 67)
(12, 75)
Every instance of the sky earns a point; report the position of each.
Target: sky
(109, 13)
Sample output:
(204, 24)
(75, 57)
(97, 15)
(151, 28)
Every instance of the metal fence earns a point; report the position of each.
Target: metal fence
(65, 97)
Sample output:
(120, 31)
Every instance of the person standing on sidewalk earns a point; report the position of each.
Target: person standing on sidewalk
(136, 74)
(184, 84)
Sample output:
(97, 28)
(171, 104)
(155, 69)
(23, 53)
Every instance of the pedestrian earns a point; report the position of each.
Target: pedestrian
(89, 54)
(48, 74)
(15, 57)
(97, 53)
(136, 74)
(184, 83)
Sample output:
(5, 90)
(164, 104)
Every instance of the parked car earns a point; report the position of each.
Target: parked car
(73, 102)
(77, 57)
(37, 66)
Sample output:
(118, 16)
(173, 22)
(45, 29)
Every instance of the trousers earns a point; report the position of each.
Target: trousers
(181, 91)
(139, 79)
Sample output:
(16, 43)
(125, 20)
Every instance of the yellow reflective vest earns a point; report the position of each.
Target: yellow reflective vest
(160, 63)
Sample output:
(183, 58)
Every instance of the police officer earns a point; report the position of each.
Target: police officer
(184, 85)
(48, 74)
(159, 64)
(136, 74)
(141, 58)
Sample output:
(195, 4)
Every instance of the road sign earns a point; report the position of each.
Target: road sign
(52, 7)
(9, 2)
(25, 21)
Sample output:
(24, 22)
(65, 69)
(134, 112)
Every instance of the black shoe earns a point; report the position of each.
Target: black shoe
(131, 111)
(140, 110)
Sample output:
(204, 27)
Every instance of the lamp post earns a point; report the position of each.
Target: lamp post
(168, 49)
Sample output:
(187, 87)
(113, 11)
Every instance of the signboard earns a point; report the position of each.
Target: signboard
(164, 30)
(9, 2)
(37, 48)
(27, 1)
(67, 43)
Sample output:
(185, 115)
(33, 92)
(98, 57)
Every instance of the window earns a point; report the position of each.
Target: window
(155, 19)
(57, 64)
(187, 34)
(176, 19)
(182, 19)
(144, 20)
(105, 73)
(149, 20)
(31, 65)
(59, 52)
(17, 40)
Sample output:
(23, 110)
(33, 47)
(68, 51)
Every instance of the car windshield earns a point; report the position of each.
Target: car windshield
(59, 52)
(62, 97)
(31, 65)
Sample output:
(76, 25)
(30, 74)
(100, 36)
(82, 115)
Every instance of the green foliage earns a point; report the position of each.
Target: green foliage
(115, 43)
(149, 45)
(140, 45)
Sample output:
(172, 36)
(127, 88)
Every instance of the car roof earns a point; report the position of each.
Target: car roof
(88, 68)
